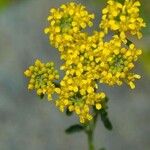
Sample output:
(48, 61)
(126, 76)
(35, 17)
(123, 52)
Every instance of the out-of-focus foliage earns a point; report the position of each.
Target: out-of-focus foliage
(4, 3)
(146, 61)
(145, 10)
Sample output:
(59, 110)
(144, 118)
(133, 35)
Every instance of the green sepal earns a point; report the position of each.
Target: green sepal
(74, 128)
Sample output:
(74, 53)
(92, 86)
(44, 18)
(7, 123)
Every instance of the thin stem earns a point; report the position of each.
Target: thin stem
(90, 140)
(90, 132)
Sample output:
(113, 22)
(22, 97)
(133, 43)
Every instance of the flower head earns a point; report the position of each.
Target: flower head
(124, 18)
(42, 77)
(78, 94)
(66, 22)
(117, 61)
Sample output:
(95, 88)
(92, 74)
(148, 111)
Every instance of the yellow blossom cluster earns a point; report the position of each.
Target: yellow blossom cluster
(84, 57)
(79, 94)
(123, 18)
(89, 60)
(117, 62)
(77, 90)
(67, 22)
(42, 77)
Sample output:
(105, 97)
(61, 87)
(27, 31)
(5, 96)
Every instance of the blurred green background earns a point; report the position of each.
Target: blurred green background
(27, 123)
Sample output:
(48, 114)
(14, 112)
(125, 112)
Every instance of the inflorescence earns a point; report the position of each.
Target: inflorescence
(88, 59)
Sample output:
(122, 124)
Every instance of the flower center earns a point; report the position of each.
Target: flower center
(41, 80)
(117, 63)
(77, 99)
(66, 23)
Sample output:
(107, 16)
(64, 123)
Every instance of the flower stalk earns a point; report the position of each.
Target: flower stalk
(90, 132)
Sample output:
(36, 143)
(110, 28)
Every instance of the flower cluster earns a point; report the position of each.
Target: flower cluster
(117, 62)
(123, 18)
(79, 94)
(42, 77)
(89, 59)
(66, 22)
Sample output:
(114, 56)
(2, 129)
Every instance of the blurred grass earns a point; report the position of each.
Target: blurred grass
(145, 11)
(4, 3)
(145, 59)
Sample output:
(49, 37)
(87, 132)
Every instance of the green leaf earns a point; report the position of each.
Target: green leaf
(74, 128)
(105, 119)
(68, 113)
(104, 115)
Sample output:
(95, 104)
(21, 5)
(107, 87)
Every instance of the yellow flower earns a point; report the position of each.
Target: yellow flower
(98, 106)
(42, 77)
(124, 18)
(118, 62)
(88, 59)
(74, 99)
(66, 22)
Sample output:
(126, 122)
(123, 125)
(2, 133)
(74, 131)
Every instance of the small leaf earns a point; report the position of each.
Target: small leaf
(68, 113)
(74, 128)
(105, 119)
(107, 124)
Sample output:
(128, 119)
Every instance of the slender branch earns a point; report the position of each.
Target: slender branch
(90, 140)
(90, 132)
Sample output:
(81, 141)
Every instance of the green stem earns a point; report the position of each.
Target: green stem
(90, 133)
(90, 140)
